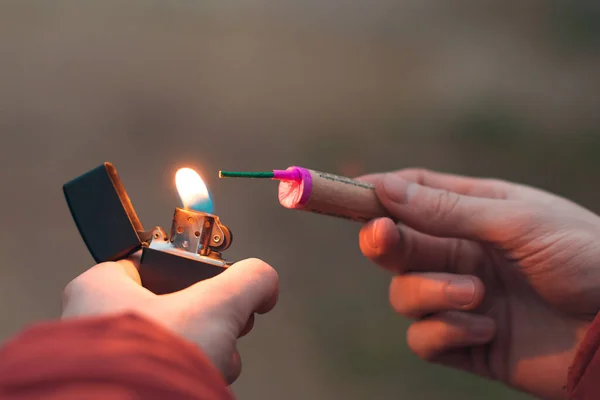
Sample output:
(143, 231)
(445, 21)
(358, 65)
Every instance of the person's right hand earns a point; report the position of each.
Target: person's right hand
(502, 279)
(213, 313)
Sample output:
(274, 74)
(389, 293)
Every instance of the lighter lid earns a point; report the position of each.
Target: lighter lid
(103, 213)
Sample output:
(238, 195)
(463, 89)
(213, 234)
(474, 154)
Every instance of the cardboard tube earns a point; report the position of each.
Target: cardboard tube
(323, 193)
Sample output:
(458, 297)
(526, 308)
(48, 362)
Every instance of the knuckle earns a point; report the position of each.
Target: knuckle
(443, 203)
(499, 187)
(418, 173)
(523, 222)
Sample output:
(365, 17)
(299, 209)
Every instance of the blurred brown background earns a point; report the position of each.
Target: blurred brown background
(490, 88)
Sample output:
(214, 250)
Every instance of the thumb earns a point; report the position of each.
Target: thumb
(440, 212)
(247, 287)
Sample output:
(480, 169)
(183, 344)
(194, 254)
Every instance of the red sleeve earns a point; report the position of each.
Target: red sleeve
(583, 382)
(110, 358)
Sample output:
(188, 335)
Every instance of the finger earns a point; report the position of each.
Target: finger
(381, 242)
(417, 295)
(234, 370)
(112, 278)
(432, 337)
(125, 270)
(476, 187)
(249, 286)
(131, 267)
(440, 212)
(401, 249)
(102, 287)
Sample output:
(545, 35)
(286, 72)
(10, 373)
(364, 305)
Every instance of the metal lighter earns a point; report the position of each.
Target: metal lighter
(111, 230)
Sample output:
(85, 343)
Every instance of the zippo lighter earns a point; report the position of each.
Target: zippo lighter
(111, 230)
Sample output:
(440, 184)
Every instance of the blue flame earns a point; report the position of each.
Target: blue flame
(204, 204)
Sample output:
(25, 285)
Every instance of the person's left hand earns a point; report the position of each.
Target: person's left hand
(213, 313)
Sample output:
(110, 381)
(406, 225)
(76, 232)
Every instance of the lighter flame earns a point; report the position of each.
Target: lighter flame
(192, 191)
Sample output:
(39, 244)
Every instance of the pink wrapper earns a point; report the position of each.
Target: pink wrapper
(295, 187)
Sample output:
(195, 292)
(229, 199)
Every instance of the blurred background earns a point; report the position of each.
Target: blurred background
(509, 89)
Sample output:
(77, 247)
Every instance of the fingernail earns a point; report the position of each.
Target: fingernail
(460, 291)
(397, 189)
(373, 235)
(481, 330)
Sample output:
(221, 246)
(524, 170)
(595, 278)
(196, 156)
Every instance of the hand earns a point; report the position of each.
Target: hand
(502, 279)
(212, 313)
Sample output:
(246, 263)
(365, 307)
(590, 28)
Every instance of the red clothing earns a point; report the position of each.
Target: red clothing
(127, 357)
(584, 375)
(111, 358)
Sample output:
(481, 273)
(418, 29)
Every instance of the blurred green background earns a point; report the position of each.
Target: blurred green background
(509, 89)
